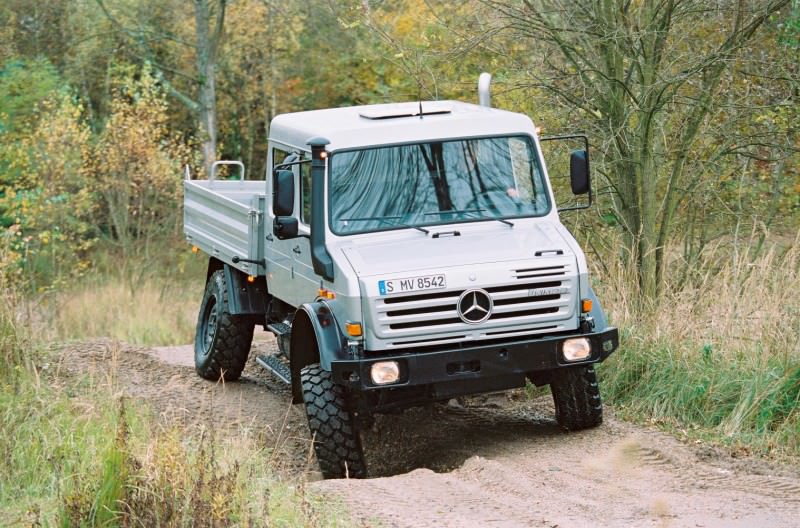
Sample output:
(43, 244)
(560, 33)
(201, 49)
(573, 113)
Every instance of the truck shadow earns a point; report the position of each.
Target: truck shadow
(442, 437)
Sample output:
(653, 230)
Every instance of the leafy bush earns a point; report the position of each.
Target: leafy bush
(137, 162)
(51, 201)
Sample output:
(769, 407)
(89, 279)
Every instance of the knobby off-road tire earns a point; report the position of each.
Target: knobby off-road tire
(222, 341)
(336, 439)
(576, 395)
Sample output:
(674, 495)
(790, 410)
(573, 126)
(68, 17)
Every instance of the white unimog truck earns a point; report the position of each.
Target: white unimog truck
(401, 254)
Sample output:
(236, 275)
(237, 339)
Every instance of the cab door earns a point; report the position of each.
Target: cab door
(290, 275)
(278, 253)
(306, 281)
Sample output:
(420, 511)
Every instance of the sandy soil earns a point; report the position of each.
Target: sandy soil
(496, 460)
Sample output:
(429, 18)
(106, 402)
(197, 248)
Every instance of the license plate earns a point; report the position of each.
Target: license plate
(411, 284)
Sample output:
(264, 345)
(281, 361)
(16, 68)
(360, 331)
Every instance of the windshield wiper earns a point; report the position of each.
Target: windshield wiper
(470, 211)
(386, 219)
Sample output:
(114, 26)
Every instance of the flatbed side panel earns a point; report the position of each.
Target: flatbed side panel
(220, 225)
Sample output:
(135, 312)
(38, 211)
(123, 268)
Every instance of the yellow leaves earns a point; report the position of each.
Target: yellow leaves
(137, 163)
(48, 195)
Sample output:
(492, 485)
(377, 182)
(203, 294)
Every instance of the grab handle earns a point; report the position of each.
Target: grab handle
(225, 162)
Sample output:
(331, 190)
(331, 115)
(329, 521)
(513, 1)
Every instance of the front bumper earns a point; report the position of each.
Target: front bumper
(478, 364)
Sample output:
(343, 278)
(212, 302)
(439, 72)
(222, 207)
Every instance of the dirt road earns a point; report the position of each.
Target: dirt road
(496, 460)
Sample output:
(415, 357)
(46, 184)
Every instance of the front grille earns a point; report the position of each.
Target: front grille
(544, 271)
(523, 304)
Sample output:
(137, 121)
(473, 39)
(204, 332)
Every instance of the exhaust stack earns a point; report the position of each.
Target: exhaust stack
(483, 89)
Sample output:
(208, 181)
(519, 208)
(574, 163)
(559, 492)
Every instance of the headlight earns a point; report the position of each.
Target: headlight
(384, 372)
(576, 349)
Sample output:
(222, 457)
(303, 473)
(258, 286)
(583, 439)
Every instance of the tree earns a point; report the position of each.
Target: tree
(201, 101)
(253, 67)
(646, 75)
(207, 42)
(137, 164)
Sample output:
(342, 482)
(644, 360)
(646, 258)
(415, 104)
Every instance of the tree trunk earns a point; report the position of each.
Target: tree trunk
(207, 46)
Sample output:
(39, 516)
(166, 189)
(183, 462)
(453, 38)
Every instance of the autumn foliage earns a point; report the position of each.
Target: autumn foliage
(68, 188)
(137, 167)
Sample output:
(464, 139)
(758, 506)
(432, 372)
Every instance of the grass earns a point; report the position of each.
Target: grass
(143, 303)
(93, 460)
(77, 454)
(718, 358)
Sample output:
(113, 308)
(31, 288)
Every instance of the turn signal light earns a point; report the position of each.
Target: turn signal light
(325, 294)
(251, 279)
(195, 249)
(353, 329)
(586, 305)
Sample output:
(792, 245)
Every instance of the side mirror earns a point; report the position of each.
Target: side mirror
(285, 227)
(579, 171)
(283, 193)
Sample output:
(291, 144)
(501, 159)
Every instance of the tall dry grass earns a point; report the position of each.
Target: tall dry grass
(718, 355)
(140, 302)
(156, 312)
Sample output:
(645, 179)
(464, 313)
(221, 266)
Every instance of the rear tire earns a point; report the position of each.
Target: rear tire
(336, 439)
(576, 395)
(222, 341)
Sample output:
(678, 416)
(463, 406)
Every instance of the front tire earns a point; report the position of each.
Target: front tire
(336, 439)
(576, 395)
(222, 341)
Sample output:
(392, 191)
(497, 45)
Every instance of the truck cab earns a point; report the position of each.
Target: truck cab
(402, 254)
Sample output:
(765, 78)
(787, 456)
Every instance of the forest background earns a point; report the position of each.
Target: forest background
(692, 108)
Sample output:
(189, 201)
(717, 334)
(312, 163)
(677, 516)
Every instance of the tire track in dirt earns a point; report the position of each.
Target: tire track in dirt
(604, 477)
(164, 378)
(493, 460)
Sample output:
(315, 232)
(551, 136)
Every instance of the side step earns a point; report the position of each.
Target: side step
(283, 334)
(275, 365)
(279, 328)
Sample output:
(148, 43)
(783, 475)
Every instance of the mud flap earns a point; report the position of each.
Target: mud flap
(245, 298)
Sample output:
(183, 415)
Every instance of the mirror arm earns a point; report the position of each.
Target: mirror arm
(585, 138)
(284, 166)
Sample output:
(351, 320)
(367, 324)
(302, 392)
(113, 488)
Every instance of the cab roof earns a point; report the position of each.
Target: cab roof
(384, 124)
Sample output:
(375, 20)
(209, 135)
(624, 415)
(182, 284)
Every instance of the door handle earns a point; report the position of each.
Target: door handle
(270, 237)
(296, 249)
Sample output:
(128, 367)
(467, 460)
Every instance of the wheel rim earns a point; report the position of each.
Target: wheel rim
(209, 325)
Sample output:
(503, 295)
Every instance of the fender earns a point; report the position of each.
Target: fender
(244, 298)
(597, 313)
(315, 338)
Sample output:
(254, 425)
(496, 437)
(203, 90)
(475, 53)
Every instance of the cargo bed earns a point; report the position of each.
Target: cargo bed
(225, 219)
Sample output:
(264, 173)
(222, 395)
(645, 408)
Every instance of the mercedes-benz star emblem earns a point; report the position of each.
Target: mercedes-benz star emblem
(474, 306)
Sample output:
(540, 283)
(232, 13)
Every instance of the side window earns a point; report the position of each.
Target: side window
(278, 157)
(521, 167)
(305, 193)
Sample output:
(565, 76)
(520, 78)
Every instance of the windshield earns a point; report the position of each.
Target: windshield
(432, 183)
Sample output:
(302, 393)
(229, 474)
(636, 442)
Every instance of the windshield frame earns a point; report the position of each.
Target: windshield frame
(536, 159)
